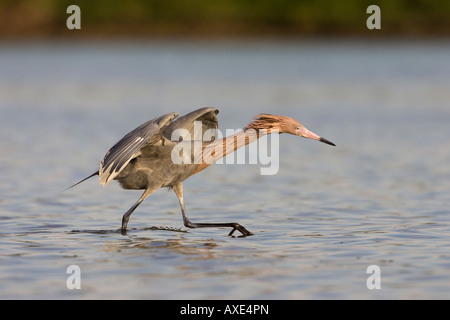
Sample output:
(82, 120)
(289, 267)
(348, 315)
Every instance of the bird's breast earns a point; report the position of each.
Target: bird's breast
(154, 168)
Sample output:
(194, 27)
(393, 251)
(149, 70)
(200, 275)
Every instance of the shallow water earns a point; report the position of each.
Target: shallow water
(379, 198)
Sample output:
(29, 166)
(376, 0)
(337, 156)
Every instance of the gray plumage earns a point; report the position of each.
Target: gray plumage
(142, 160)
(129, 147)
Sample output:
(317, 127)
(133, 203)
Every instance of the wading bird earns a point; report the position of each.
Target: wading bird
(142, 159)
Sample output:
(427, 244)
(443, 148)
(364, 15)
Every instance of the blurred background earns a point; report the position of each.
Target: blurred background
(381, 197)
(223, 18)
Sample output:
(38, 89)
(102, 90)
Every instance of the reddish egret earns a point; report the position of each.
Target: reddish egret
(142, 158)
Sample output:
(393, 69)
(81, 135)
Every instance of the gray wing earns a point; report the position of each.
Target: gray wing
(130, 145)
(207, 117)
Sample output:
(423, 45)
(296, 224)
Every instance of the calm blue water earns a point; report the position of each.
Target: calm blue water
(381, 197)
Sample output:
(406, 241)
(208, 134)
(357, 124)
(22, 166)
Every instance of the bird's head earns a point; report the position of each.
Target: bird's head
(284, 125)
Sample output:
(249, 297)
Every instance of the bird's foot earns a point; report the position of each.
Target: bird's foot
(236, 226)
(244, 232)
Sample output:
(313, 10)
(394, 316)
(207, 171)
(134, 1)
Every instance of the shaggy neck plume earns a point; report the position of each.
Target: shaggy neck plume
(263, 124)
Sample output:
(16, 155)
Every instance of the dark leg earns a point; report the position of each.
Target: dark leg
(127, 214)
(236, 226)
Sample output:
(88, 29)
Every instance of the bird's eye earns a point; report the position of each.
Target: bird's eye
(297, 128)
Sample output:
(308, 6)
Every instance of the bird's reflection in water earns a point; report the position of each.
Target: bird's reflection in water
(170, 243)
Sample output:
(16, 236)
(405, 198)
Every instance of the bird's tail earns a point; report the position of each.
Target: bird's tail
(94, 174)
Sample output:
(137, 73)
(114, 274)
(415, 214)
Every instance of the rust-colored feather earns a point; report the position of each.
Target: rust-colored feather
(267, 122)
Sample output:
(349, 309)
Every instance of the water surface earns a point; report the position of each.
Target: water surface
(380, 197)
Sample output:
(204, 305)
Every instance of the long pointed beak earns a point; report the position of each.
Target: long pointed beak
(326, 141)
(311, 135)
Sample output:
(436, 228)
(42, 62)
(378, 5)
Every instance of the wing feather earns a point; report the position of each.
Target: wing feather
(129, 146)
(207, 117)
